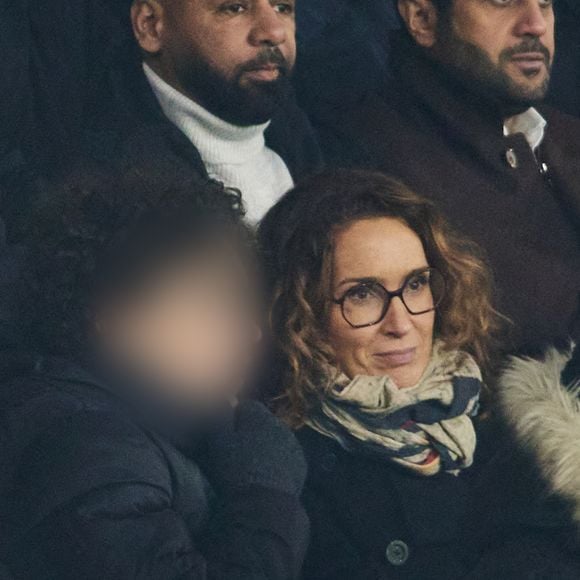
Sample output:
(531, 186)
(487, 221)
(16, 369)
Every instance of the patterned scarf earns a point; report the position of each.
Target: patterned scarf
(427, 428)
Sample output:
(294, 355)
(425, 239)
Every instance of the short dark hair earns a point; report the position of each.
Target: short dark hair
(99, 234)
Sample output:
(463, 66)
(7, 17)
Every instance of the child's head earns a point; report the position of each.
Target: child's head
(155, 279)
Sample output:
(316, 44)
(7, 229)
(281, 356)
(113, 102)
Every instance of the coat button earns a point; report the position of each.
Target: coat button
(512, 158)
(397, 553)
(328, 462)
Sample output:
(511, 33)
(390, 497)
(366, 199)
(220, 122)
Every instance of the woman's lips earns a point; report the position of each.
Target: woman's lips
(397, 358)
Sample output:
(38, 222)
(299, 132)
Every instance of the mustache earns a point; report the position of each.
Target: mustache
(527, 46)
(271, 56)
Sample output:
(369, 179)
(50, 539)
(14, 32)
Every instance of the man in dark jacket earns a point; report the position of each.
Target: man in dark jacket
(215, 88)
(218, 76)
(465, 125)
(221, 74)
(126, 449)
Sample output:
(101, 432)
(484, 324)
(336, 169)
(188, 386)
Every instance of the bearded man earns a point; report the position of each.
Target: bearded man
(220, 72)
(463, 122)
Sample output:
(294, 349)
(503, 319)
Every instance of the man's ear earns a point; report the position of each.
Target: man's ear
(147, 19)
(420, 17)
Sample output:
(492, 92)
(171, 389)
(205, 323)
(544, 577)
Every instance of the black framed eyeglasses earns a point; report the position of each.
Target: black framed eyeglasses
(367, 303)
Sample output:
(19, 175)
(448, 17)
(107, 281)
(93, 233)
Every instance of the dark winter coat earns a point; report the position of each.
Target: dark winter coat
(371, 520)
(88, 489)
(447, 143)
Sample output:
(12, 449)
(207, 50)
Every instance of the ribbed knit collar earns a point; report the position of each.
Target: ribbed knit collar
(217, 140)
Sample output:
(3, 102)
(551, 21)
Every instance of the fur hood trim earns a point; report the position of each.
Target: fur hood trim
(545, 417)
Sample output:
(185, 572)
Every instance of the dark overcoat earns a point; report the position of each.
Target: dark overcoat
(91, 489)
(372, 520)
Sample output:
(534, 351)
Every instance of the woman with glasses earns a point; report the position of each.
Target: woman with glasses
(384, 322)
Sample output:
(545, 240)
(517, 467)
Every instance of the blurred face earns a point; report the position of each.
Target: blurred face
(386, 251)
(232, 57)
(189, 330)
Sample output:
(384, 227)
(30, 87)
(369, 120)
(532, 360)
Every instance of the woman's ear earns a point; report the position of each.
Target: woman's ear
(420, 17)
(148, 22)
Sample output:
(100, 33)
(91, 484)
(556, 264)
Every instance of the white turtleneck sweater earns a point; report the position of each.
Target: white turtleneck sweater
(236, 156)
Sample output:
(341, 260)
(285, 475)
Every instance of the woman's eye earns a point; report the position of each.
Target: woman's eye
(285, 8)
(361, 294)
(546, 3)
(417, 283)
(501, 2)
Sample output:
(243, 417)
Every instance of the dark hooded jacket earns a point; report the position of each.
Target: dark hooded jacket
(93, 485)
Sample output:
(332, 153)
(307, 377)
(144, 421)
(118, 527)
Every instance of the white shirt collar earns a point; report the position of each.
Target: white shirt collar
(530, 123)
(222, 142)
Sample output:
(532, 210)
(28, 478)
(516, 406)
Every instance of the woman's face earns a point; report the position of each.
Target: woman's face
(386, 251)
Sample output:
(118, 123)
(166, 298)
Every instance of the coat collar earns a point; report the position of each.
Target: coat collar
(136, 107)
(183, 428)
(544, 416)
(462, 115)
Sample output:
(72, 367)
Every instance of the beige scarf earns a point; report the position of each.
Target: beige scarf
(427, 428)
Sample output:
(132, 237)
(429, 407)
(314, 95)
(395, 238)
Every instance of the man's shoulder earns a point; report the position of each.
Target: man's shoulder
(370, 108)
(292, 136)
(157, 143)
(378, 131)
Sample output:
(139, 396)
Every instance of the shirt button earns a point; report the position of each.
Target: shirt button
(512, 158)
(397, 553)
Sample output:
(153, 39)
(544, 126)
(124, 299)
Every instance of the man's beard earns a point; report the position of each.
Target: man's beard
(474, 67)
(233, 100)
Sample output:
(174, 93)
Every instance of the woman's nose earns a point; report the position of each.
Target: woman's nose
(397, 321)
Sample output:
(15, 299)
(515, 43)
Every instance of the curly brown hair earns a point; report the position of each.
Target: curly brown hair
(296, 240)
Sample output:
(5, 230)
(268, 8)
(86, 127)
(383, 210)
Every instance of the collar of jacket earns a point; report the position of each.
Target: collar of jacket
(183, 428)
(423, 89)
(543, 414)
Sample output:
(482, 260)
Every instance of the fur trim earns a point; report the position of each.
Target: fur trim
(545, 416)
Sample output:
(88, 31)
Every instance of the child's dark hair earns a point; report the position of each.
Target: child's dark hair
(99, 234)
